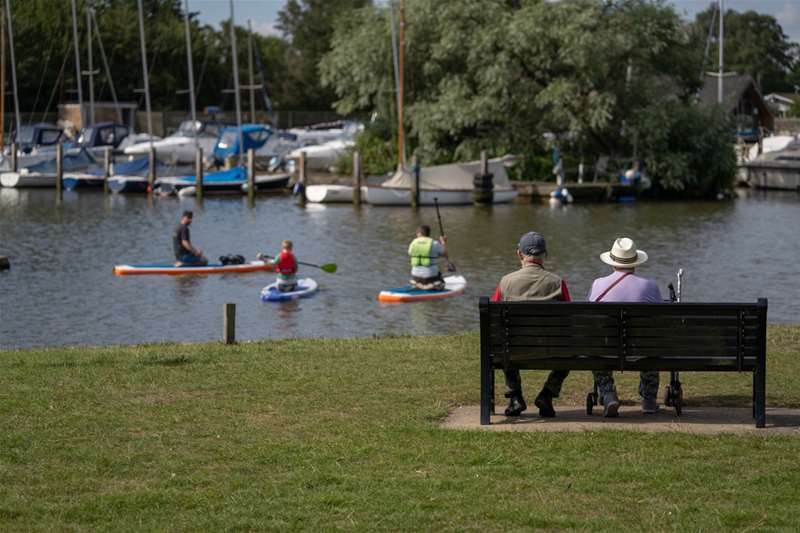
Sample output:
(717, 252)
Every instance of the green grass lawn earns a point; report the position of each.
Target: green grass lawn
(329, 434)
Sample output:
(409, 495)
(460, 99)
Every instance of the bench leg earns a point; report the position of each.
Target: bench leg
(492, 375)
(487, 389)
(760, 389)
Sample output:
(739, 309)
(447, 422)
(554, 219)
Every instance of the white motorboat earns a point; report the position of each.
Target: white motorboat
(43, 174)
(180, 147)
(776, 170)
(323, 156)
(323, 133)
(447, 184)
(325, 194)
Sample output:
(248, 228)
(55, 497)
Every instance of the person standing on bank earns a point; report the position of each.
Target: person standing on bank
(624, 286)
(532, 282)
(185, 253)
(424, 251)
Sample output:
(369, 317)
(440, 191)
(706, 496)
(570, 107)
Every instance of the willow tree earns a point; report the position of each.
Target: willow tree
(498, 74)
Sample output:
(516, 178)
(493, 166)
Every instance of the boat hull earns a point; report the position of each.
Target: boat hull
(23, 180)
(128, 184)
(397, 196)
(773, 177)
(330, 193)
(82, 181)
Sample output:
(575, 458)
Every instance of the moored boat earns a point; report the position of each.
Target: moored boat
(331, 193)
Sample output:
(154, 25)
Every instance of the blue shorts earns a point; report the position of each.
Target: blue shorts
(189, 258)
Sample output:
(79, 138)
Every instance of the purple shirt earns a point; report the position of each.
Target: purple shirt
(631, 289)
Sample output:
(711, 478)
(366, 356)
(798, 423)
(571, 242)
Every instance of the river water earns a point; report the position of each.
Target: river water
(61, 290)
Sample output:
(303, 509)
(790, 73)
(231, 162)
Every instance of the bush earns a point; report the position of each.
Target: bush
(687, 150)
(378, 153)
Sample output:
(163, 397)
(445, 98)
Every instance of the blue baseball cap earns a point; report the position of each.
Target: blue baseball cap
(532, 243)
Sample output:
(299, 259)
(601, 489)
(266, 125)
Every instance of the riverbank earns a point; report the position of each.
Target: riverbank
(321, 434)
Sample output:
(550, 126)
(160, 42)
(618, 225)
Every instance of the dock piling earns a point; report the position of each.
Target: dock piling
(5, 264)
(415, 185)
(59, 170)
(14, 158)
(302, 179)
(356, 178)
(198, 173)
(106, 168)
(151, 170)
(229, 324)
(251, 176)
(483, 183)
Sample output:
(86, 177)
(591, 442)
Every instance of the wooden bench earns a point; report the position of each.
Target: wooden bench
(700, 337)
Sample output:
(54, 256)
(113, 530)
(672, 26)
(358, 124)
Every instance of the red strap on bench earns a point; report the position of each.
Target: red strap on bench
(625, 275)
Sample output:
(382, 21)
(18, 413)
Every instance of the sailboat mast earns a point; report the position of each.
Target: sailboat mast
(77, 61)
(144, 71)
(234, 60)
(401, 141)
(2, 78)
(13, 65)
(91, 64)
(721, 49)
(192, 102)
(250, 70)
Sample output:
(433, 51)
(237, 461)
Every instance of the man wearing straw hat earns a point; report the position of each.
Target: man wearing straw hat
(624, 286)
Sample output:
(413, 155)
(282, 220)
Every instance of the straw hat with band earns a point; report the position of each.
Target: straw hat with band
(624, 254)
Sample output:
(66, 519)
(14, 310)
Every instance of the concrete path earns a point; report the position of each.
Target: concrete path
(695, 420)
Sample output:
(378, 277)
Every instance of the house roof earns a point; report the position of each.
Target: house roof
(787, 98)
(733, 88)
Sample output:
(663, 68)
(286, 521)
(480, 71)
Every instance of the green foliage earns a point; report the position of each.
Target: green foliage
(308, 24)
(686, 149)
(378, 156)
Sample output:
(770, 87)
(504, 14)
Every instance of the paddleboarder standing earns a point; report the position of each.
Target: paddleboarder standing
(185, 253)
(424, 251)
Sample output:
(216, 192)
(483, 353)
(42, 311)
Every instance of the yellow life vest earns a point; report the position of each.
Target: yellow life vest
(420, 251)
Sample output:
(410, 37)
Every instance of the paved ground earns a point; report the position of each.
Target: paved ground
(697, 420)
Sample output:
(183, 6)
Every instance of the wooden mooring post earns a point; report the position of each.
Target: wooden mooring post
(5, 264)
(251, 177)
(415, 185)
(14, 158)
(198, 173)
(229, 324)
(483, 183)
(151, 169)
(106, 168)
(356, 178)
(302, 179)
(59, 171)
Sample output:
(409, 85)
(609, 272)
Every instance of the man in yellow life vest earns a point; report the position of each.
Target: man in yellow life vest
(424, 251)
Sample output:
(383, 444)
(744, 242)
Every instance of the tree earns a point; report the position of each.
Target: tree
(497, 75)
(308, 24)
(754, 44)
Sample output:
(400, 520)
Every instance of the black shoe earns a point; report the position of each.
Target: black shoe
(516, 404)
(545, 404)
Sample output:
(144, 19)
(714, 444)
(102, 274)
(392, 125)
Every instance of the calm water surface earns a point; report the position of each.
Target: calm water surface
(61, 290)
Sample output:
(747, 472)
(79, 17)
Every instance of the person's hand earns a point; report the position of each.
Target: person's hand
(443, 239)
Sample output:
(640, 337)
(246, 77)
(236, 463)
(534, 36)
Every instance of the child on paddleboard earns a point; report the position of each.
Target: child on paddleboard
(285, 266)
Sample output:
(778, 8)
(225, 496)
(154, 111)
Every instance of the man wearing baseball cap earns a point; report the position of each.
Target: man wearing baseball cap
(532, 282)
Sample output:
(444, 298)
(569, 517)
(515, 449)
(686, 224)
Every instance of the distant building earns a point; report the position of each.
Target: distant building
(121, 113)
(781, 103)
(741, 97)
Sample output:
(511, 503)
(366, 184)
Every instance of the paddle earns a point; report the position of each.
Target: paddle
(330, 268)
(449, 265)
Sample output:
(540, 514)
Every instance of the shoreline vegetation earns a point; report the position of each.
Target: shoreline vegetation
(321, 434)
